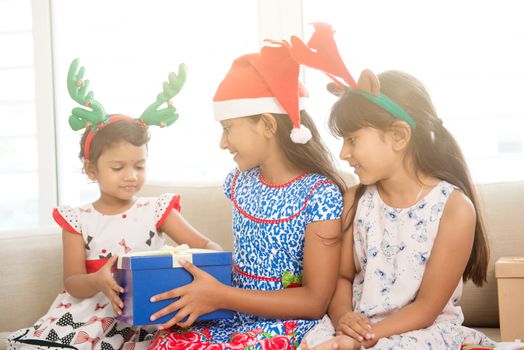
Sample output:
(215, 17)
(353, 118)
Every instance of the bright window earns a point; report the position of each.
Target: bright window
(19, 205)
(469, 54)
(128, 49)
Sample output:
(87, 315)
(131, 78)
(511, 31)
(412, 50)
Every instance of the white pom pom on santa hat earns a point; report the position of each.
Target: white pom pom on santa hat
(265, 82)
(300, 135)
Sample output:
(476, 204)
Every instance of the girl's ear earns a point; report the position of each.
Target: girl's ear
(400, 132)
(270, 124)
(90, 170)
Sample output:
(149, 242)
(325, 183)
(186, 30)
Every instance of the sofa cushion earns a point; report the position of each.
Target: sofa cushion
(31, 275)
(198, 201)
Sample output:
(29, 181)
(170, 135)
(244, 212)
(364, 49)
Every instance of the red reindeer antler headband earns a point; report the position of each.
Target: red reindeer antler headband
(321, 53)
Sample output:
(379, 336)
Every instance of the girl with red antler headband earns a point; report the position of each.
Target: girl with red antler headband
(287, 201)
(412, 229)
(114, 151)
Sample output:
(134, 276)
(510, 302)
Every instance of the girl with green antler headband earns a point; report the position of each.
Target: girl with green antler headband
(114, 152)
(95, 119)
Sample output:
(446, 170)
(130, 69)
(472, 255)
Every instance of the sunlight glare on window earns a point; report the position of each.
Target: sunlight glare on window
(127, 58)
(465, 53)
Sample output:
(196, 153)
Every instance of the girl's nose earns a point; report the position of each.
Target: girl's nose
(131, 175)
(223, 141)
(345, 154)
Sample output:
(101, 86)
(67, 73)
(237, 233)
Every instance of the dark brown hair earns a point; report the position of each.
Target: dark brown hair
(432, 149)
(131, 131)
(313, 156)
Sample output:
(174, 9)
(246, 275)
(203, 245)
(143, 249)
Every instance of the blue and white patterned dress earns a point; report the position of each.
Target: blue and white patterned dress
(269, 224)
(392, 247)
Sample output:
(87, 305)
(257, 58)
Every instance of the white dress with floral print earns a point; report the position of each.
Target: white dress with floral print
(392, 247)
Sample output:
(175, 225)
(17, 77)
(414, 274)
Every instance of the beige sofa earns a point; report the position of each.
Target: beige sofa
(31, 261)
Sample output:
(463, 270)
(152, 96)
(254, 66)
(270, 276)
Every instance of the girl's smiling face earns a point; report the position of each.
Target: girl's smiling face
(120, 171)
(245, 140)
(370, 153)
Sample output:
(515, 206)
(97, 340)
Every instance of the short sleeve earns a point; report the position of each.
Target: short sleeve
(67, 218)
(228, 183)
(325, 203)
(164, 204)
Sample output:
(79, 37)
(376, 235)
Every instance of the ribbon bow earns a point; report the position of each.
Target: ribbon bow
(123, 244)
(66, 306)
(105, 322)
(144, 335)
(67, 320)
(83, 337)
(100, 307)
(107, 346)
(89, 239)
(151, 235)
(39, 331)
(53, 336)
(126, 332)
(129, 346)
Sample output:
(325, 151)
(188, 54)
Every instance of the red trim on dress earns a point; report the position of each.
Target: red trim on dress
(95, 265)
(275, 221)
(63, 222)
(264, 182)
(258, 278)
(174, 204)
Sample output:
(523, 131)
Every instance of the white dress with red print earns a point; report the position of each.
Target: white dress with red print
(89, 324)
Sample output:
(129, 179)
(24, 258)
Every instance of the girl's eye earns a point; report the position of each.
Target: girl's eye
(140, 167)
(117, 169)
(351, 140)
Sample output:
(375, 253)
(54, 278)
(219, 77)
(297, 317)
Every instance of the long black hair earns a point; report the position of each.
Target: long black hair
(432, 148)
(313, 156)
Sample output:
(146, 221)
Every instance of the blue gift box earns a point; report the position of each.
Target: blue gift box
(144, 275)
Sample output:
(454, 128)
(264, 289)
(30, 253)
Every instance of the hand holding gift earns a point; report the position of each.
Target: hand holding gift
(194, 299)
(175, 285)
(106, 284)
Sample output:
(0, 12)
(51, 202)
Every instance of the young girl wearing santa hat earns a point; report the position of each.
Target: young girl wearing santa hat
(287, 202)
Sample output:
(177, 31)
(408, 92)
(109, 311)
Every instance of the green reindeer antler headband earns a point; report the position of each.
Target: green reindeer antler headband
(96, 117)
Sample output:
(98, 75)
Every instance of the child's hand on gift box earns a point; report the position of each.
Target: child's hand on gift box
(106, 284)
(194, 299)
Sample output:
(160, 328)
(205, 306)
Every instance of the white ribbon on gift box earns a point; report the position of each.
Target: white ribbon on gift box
(179, 252)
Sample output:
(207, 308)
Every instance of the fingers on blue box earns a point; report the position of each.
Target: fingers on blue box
(143, 275)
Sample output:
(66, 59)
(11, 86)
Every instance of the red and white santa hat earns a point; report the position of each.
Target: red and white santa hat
(265, 82)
